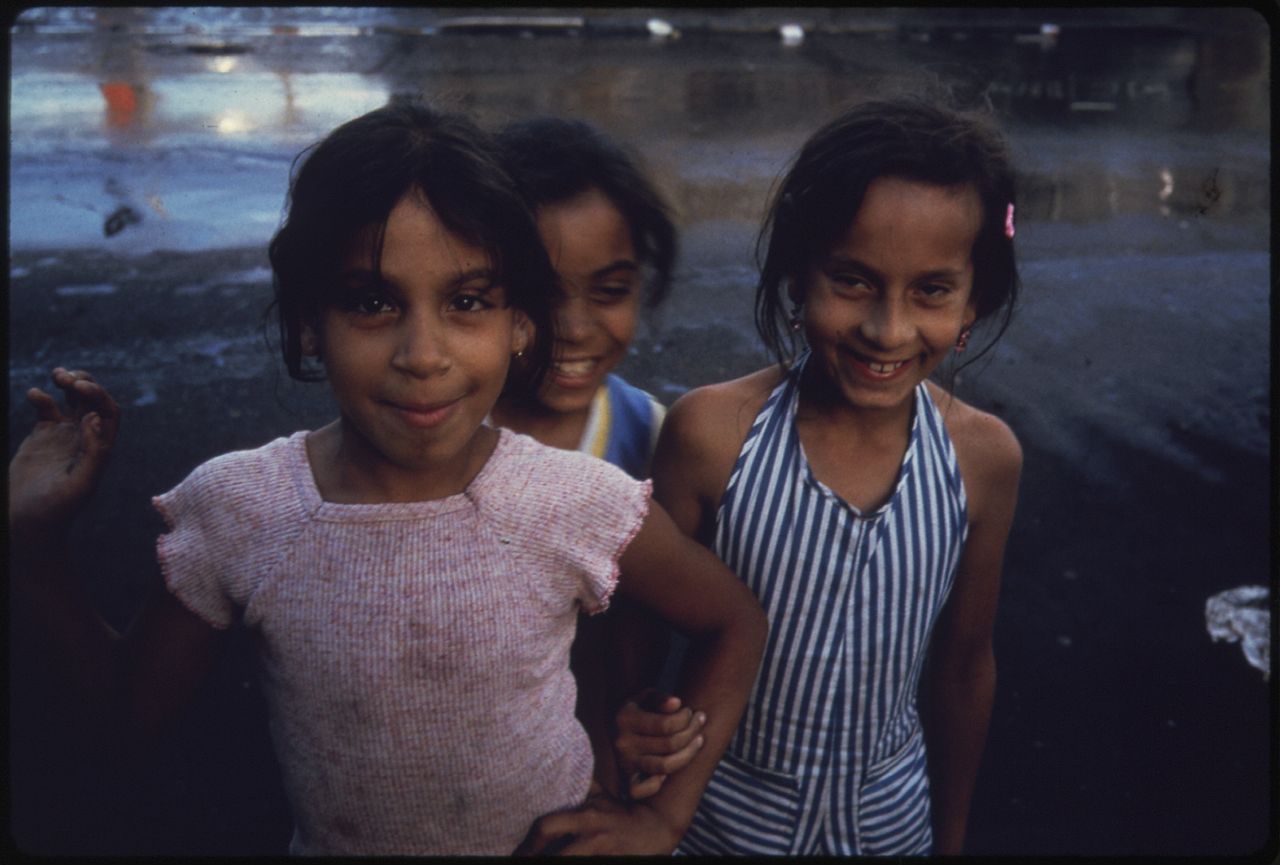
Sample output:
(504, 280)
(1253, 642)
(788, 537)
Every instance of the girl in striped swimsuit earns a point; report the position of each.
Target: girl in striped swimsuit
(865, 506)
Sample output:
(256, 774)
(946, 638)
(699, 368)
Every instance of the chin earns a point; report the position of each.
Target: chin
(561, 402)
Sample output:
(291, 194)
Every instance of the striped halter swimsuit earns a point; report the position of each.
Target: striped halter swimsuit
(829, 757)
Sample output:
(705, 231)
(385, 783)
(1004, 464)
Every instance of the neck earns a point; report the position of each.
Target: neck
(347, 470)
(532, 418)
(822, 402)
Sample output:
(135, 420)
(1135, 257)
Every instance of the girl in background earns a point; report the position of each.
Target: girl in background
(611, 241)
(866, 507)
(610, 238)
(413, 577)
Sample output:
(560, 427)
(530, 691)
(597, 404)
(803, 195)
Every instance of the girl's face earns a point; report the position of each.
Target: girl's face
(417, 353)
(887, 303)
(589, 244)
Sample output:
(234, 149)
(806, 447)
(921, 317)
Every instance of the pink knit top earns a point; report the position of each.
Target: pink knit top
(415, 657)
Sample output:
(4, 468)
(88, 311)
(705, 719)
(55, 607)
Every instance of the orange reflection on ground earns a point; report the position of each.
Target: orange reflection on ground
(122, 103)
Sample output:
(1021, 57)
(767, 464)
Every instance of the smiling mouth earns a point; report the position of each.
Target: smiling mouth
(575, 369)
(882, 370)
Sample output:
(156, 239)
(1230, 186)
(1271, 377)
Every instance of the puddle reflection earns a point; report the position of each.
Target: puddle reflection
(715, 116)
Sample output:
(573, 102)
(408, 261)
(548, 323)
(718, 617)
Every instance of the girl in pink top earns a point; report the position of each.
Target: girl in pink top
(413, 576)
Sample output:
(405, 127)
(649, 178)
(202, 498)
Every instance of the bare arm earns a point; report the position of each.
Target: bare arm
(700, 441)
(688, 586)
(960, 679)
(140, 679)
(684, 582)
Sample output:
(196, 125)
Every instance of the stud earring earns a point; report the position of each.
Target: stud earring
(962, 342)
(794, 321)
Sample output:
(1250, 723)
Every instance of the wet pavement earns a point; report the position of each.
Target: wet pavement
(149, 157)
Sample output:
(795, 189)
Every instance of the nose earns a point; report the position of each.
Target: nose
(421, 348)
(573, 319)
(888, 325)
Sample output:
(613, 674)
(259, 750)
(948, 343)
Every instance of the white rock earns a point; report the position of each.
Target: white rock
(660, 28)
(1241, 615)
(792, 34)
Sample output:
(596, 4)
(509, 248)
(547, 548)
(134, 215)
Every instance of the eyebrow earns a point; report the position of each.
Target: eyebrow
(846, 261)
(621, 264)
(485, 273)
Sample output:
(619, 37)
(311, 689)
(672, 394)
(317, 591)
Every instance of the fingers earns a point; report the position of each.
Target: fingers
(649, 758)
(666, 764)
(609, 827)
(46, 406)
(634, 719)
(551, 832)
(85, 399)
(83, 394)
(642, 786)
(641, 732)
(542, 837)
(537, 842)
(592, 845)
(97, 444)
(67, 380)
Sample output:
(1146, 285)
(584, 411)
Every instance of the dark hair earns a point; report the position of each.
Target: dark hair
(350, 182)
(824, 187)
(554, 160)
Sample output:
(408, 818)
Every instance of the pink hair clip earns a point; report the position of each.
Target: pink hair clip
(1008, 222)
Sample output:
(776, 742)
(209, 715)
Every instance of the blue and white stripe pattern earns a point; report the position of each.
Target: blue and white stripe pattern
(829, 757)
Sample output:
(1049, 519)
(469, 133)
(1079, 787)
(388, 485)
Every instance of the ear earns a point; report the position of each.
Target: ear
(795, 289)
(970, 312)
(309, 341)
(521, 332)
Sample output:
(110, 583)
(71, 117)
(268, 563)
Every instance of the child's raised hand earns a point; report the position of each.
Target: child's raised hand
(656, 737)
(59, 462)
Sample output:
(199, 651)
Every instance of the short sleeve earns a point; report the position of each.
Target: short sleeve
(224, 524)
(607, 516)
(575, 515)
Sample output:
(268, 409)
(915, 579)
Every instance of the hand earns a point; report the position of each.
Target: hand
(602, 826)
(59, 463)
(656, 737)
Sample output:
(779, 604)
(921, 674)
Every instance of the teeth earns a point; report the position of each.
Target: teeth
(883, 368)
(575, 367)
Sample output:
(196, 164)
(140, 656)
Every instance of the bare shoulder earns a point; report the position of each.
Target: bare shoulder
(989, 454)
(716, 418)
(700, 440)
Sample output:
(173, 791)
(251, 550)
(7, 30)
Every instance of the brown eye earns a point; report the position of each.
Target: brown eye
(849, 281)
(469, 303)
(612, 292)
(934, 291)
(366, 302)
